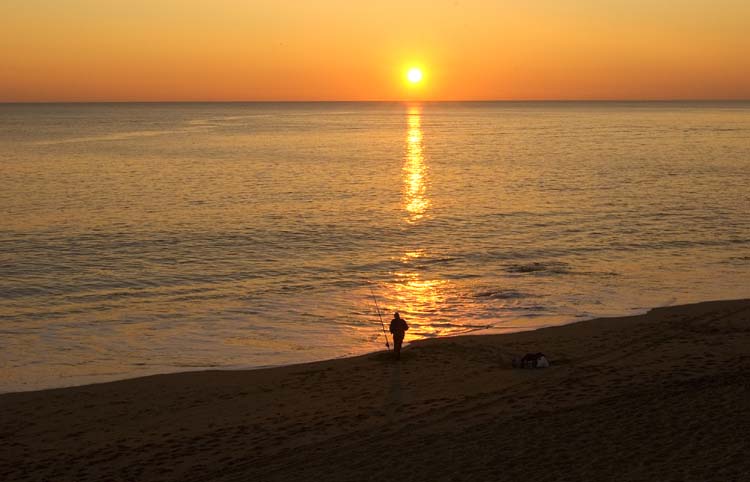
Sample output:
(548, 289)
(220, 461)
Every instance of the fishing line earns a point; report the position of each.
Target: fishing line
(381, 319)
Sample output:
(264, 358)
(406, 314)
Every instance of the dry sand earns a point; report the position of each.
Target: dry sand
(663, 396)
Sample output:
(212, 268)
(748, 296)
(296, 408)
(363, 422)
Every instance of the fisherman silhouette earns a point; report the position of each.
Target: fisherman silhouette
(398, 330)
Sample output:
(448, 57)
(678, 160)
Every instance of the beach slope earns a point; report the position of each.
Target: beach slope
(661, 396)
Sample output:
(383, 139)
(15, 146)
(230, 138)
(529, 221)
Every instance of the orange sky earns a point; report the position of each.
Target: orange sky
(151, 50)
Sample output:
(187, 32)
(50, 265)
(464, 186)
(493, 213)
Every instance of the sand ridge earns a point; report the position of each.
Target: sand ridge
(661, 396)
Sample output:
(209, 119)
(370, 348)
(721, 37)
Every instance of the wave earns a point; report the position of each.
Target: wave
(501, 294)
(549, 267)
(120, 136)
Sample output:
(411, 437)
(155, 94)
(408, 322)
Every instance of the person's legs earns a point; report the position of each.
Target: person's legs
(397, 345)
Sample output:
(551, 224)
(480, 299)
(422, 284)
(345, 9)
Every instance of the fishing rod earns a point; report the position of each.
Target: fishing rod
(381, 319)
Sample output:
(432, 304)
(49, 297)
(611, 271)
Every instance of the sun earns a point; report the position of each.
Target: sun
(414, 75)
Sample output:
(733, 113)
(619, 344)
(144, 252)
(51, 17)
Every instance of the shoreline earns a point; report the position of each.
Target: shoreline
(644, 397)
(489, 330)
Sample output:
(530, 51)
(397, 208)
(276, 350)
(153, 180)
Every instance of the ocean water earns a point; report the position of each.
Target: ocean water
(150, 238)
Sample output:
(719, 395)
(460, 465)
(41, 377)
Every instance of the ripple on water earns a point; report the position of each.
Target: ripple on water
(540, 267)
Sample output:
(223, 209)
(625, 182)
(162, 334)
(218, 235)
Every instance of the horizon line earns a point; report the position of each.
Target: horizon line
(393, 101)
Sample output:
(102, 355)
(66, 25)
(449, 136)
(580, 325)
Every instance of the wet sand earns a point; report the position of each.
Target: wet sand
(662, 396)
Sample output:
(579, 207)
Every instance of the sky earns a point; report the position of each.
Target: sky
(259, 50)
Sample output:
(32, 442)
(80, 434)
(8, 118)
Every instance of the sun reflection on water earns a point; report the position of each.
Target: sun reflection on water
(420, 300)
(420, 297)
(415, 170)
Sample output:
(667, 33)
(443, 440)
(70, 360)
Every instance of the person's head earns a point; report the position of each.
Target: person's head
(395, 315)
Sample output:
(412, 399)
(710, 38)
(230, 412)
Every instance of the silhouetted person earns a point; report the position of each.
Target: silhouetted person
(398, 329)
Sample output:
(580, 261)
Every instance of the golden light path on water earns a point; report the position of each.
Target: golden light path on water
(415, 170)
(417, 298)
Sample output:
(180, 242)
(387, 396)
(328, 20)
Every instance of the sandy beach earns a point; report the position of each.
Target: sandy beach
(662, 396)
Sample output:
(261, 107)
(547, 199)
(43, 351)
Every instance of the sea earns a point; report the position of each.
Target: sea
(138, 239)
